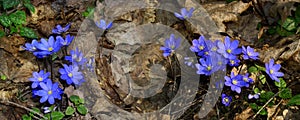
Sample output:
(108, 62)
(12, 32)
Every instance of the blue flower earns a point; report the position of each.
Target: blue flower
(234, 62)
(46, 48)
(65, 42)
(218, 61)
(38, 77)
(76, 57)
(184, 13)
(171, 44)
(59, 29)
(102, 25)
(226, 100)
(90, 64)
(49, 92)
(235, 82)
(71, 74)
(212, 46)
(189, 61)
(272, 70)
(247, 79)
(255, 96)
(206, 66)
(249, 53)
(229, 49)
(200, 46)
(31, 46)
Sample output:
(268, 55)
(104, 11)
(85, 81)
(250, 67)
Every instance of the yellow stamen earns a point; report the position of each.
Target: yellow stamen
(271, 71)
(201, 47)
(70, 75)
(49, 92)
(249, 53)
(234, 82)
(232, 62)
(40, 79)
(208, 68)
(226, 99)
(50, 49)
(228, 50)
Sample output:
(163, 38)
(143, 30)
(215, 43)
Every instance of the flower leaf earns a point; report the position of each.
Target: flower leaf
(252, 69)
(262, 78)
(26, 117)
(294, 100)
(82, 109)
(281, 84)
(285, 93)
(74, 98)
(18, 17)
(27, 32)
(9, 3)
(57, 115)
(2, 33)
(5, 21)
(70, 110)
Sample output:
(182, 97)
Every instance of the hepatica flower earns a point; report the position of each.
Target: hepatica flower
(272, 70)
(206, 66)
(59, 29)
(249, 53)
(226, 100)
(31, 47)
(102, 25)
(46, 48)
(235, 82)
(65, 42)
(171, 44)
(255, 96)
(38, 77)
(229, 49)
(199, 46)
(76, 57)
(49, 92)
(184, 13)
(247, 80)
(71, 74)
(90, 64)
(234, 62)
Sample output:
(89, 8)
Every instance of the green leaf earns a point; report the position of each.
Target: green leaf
(256, 90)
(13, 30)
(74, 98)
(35, 110)
(289, 24)
(2, 33)
(70, 110)
(260, 68)
(254, 106)
(55, 115)
(265, 96)
(81, 100)
(263, 112)
(294, 100)
(262, 78)
(54, 56)
(82, 109)
(280, 84)
(18, 17)
(27, 32)
(5, 21)
(252, 69)
(283, 32)
(89, 12)
(286, 93)
(26, 117)
(10, 3)
(271, 30)
(30, 7)
(297, 15)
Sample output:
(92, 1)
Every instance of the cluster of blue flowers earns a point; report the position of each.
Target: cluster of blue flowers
(41, 84)
(214, 56)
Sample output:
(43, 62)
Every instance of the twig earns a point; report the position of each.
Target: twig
(20, 106)
(270, 100)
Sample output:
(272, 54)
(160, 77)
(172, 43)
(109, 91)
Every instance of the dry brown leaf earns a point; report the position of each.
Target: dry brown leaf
(244, 115)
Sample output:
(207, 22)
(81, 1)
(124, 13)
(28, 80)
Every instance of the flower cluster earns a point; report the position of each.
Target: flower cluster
(47, 47)
(41, 84)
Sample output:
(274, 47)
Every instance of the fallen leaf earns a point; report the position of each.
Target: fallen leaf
(244, 115)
